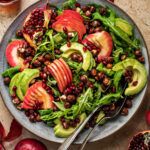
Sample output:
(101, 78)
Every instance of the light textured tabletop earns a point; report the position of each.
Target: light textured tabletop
(140, 13)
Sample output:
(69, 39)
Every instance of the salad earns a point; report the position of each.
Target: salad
(66, 61)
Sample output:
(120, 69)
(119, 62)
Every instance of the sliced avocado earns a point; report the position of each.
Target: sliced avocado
(30, 75)
(64, 133)
(13, 83)
(79, 48)
(19, 91)
(100, 116)
(124, 25)
(139, 74)
(68, 53)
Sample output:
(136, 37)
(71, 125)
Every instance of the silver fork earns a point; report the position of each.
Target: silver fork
(72, 137)
(108, 116)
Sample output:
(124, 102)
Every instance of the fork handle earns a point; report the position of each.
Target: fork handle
(72, 137)
(91, 132)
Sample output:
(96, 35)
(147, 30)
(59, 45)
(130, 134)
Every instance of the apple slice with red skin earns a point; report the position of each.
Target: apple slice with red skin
(54, 74)
(62, 72)
(70, 16)
(136, 138)
(25, 106)
(65, 71)
(72, 12)
(37, 93)
(67, 68)
(59, 26)
(78, 24)
(12, 54)
(47, 16)
(101, 40)
(59, 75)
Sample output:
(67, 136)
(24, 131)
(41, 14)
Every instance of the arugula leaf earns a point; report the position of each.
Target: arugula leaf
(117, 78)
(101, 67)
(60, 105)
(75, 38)
(116, 30)
(70, 3)
(11, 71)
(116, 54)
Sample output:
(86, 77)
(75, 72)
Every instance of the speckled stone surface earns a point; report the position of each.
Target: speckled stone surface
(140, 13)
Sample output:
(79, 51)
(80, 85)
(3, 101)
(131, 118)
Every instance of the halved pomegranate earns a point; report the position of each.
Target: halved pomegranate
(37, 94)
(140, 141)
(101, 40)
(12, 55)
(36, 24)
(61, 72)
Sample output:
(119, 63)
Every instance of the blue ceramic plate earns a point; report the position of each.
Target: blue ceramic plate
(41, 129)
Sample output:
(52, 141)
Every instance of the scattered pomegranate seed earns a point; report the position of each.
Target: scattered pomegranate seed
(84, 48)
(14, 88)
(77, 120)
(57, 100)
(79, 41)
(135, 83)
(103, 87)
(98, 50)
(81, 88)
(111, 1)
(72, 84)
(65, 29)
(109, 90)
(44, 85)
(44, 81)
(91, 85)
(78, 5)
(104, 62)
(41, 74)
(114, 89)
(25, 62)
(37, 102)
(89, 48)
(81, 84)
(14, 95)
(69, 44)
(68, 90)
(62, 119)
(73, 71)
(47, 88)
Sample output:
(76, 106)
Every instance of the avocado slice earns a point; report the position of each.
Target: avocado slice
(19, 91)
(79, 48)
(124, 25)
(139, 74)
(64, 133)
(13, 83)
(100, 116)
(30, 75)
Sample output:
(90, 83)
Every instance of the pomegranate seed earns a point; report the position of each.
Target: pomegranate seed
(41, 102)
(47, 88)
(98, 50)
(49, 91)
(38, 108)
(57, 99)
(68, 44)
(62, 119)
(44, 85)
(135, 83)
(72, 84)
(77, 120)
(111, 1)
(44, 81)
(103, 87)
(84, 48)
(48, 73)
(73, 71)
(25, 62)
(114, 89)
(14, 95)
(78, 5)
(37, 102)
(94, 47)
(68, 90)
(65, 29)
(91, 85)
(104, 62)
(41, 74)
(34, 107)
(109, 90)
(126, 73)
(79, 41)
(81, 84)
(89, 48)
(31, 66)
(81, 88)
(72, 88)
(14, 88)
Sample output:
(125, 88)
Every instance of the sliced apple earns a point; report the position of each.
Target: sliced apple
(101, 40)
(62, 71)
(12, 54)
(67, 68)
(37, 93)
(57, 78)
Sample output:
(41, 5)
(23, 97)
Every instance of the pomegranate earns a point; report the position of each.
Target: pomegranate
(140, 141)
(30, 144)
(36, 24)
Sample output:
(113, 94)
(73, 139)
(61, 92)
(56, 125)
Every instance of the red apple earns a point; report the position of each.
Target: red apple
(12, 54)
(101, 40)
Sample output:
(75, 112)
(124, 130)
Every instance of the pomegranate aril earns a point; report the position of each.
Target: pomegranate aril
(84, 48)
(65, 29)
(69, 44)
(14, 88)
(135, 83)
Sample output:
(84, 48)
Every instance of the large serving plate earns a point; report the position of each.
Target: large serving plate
(41, 129)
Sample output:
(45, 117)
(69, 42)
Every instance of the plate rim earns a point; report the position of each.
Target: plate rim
(146, 86)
